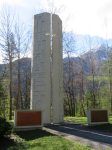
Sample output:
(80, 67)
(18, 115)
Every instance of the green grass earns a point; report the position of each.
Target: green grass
(76, 119)
(110, 119)
(39, 140)
(11, 121)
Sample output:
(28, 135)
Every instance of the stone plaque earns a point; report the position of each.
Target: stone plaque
(30, 118)
(99, 116)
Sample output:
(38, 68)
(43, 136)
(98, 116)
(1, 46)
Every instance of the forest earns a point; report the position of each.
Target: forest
(81, 89)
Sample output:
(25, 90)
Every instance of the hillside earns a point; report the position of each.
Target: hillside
(97, 53)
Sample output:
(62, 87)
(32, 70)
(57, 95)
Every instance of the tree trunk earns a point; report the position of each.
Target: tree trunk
(83, 110)
(10, 117)
(74, 109)
(93, 89)
(26, 91)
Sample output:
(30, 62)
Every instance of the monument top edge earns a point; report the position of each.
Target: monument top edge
(28, 110)
(42, 13)
(56, 16)
(37, 15)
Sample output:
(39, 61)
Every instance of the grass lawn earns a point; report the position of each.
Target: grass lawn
(105, 127)
(39, 140)
(76, 119)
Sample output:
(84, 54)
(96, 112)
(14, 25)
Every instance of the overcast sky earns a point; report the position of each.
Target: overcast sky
(93, 17)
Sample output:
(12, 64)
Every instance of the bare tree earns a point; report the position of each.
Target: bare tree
(69, 72)
(7, 43)
(14, 42)
(23, 42)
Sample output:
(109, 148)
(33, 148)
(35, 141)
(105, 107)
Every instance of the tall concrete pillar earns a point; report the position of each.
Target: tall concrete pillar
(40, 66)
(57, 79)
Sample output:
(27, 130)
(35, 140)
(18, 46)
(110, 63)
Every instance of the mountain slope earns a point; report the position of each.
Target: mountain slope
(96, 54)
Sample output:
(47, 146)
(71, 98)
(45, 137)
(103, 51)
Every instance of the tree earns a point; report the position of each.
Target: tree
(107, 69)
(3, 99)
(22, 42)
(9, 56)
(69, 48)
(8, 44)
(108, 64)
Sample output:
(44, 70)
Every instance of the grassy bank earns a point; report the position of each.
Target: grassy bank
(39, 140)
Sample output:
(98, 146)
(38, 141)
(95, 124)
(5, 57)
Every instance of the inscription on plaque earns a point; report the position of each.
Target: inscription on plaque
(99, 116)
(28, 118)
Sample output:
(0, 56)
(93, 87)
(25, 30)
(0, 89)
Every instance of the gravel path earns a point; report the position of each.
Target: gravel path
(98, 140)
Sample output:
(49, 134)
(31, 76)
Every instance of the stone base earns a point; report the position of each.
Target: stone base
(97, 124)
(46, 124)
(27, 129)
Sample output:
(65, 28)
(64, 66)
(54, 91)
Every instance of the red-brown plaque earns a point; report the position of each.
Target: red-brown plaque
(99, 116)
(30, 118)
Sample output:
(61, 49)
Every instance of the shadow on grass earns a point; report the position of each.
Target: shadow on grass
(33, 134)
(104, 127)
(28, 146)
(6, 143)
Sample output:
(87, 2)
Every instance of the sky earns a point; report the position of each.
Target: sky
(92, 17)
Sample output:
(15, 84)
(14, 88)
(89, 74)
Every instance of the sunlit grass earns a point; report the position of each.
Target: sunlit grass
(11, 121)
(76, 119)
(110, 119)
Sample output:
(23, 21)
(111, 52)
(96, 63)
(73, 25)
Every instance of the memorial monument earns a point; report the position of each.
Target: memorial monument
(47, 28)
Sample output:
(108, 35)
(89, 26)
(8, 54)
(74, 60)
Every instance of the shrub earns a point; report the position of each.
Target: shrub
(5, 127)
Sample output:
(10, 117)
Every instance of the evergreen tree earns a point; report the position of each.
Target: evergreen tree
(3, 99)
